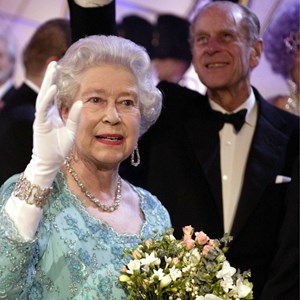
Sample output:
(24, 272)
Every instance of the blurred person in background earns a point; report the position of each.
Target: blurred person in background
(48, 43)
(138, 30)
(282, 50)
(169, 49)
(171, 53)
(8, 53)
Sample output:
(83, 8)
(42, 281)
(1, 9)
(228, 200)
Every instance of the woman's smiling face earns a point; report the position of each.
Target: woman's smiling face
(110, 118)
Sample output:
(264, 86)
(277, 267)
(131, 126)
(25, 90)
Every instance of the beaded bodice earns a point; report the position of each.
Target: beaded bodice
(74, 255)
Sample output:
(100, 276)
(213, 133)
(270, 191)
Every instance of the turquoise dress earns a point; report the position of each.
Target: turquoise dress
(73, 256)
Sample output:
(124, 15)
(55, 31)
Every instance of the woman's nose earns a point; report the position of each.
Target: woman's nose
(111, 115)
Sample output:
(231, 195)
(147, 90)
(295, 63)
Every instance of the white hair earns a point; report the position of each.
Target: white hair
(98, 49)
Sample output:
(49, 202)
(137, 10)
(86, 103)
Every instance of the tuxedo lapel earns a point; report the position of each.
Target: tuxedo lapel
(267, 147)
(205, 143)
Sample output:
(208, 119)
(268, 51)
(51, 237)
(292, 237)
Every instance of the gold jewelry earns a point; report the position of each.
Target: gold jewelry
(292, 105)
(89, 195)
(24, 189)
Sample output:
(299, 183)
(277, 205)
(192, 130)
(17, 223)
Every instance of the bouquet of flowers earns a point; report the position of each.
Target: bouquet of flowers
(194, 267)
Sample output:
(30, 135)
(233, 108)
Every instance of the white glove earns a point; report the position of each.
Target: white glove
(52, 139)
(92, 3)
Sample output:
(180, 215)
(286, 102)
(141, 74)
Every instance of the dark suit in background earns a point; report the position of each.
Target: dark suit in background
(181, 165)
(16, 122)
(8, 94)
(49, 42)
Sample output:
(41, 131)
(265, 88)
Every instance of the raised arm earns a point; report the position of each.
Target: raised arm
(90, 17)
(21, 202)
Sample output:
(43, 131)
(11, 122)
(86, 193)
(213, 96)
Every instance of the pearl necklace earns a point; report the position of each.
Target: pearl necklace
(89, 195)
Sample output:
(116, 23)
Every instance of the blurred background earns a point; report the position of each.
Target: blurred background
(21, 17)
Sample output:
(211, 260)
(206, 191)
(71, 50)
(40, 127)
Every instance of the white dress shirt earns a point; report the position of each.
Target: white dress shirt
(32, 85)
(234, 149)
(5, 87)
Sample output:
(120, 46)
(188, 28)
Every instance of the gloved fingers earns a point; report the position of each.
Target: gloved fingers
(45, 104)
(74, 115)
(47, 82)
(67, 136)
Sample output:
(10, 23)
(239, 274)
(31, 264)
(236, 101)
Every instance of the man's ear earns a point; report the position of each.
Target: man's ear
(256, 52)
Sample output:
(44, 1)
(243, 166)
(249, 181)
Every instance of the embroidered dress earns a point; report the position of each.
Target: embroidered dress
(74, 256)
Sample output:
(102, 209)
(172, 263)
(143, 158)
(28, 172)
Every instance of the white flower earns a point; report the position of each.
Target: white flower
(172, 237)
(227, 271)
(242, 289)
(158, 273)
(133, 265)
(175, 273)
(195, 256)
(165, 281)
(208, 297)
(186, 269)
(226, 284)
(168, 260)
(150, 259)
(145, 268)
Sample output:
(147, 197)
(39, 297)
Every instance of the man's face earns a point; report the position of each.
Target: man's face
(222, 55)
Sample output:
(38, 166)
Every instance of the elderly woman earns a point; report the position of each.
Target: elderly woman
(282, 50)
(68, 218)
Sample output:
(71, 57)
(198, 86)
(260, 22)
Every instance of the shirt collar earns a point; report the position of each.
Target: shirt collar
(5, 87)
(32, 85)
(249, 104)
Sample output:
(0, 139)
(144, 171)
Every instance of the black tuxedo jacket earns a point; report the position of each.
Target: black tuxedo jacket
(16, 120)
(8, 94)
(181, 165)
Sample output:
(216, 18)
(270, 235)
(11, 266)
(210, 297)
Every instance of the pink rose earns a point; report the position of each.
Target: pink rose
(136, 254)
(201, 238)
(148, 243)
(175, 261)
(206, 249)
(212, 243)
(188, 231)
(189, 243)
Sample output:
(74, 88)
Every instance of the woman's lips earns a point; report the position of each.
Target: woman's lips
(110, 139)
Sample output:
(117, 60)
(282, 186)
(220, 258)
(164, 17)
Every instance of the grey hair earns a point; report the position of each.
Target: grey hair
(98, 49)
(250, 22)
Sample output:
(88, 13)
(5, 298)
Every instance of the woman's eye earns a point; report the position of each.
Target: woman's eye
(94, 100)
(128, 102)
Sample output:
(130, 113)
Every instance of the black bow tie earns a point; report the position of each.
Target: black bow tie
(237, 119)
